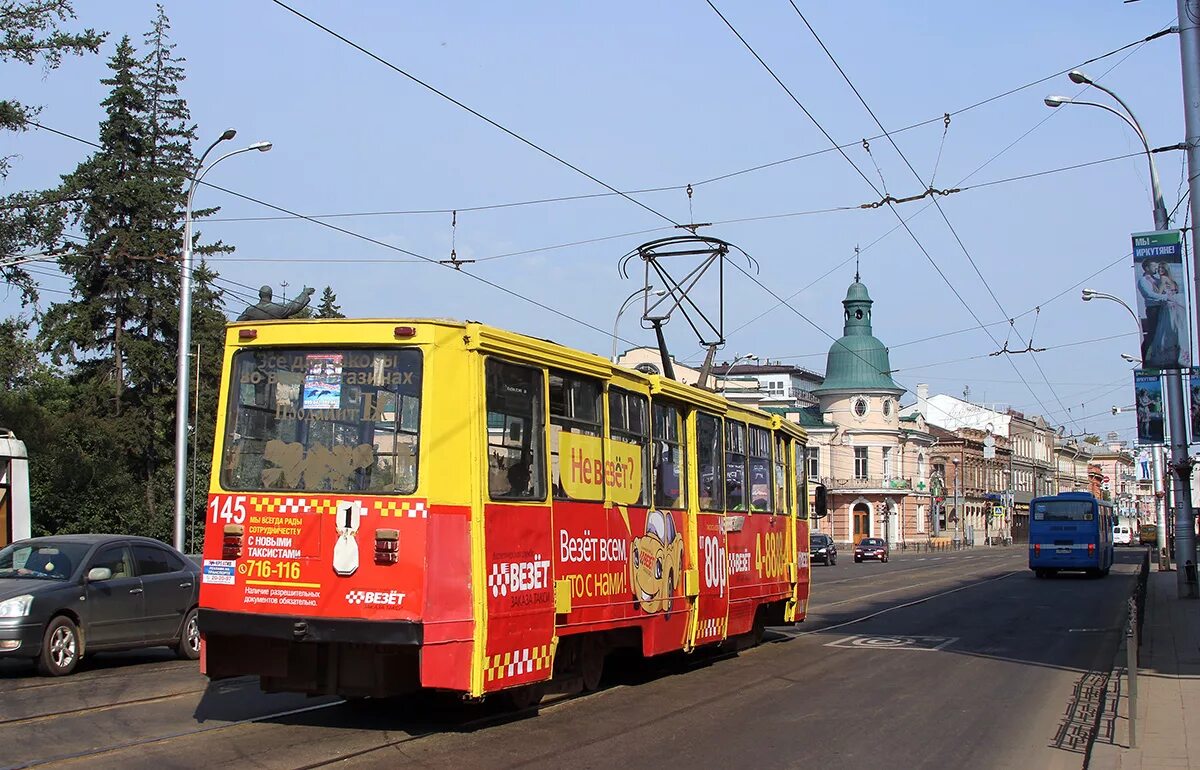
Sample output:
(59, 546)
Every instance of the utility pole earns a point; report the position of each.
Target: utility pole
(1181, 462)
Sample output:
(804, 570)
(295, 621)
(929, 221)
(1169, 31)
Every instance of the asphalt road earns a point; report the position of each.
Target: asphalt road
(932, 660)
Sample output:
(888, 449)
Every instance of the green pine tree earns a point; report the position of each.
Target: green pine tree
(119, 331)
(31, 34)
(328, 308)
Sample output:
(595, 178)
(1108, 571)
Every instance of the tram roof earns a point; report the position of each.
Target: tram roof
(494, 339)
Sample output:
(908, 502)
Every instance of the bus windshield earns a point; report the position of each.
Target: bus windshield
(1064, 510)
(338, 420)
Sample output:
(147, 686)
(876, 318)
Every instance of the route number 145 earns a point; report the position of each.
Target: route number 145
(232, 512)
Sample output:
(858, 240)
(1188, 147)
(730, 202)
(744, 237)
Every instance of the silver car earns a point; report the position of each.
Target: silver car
(67, 596)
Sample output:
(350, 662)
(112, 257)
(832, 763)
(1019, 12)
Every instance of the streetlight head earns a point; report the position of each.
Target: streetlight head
(1079, 78)
(1129, 358)
(660, 293)
(1088, 295)
(228, 134)
(261, 146)
(1056, 101)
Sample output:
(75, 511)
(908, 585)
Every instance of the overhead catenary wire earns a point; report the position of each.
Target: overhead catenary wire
(1134, 45)
(683, 186)
(530, 143)
(384, 244)
(966, 252)
(865, 178)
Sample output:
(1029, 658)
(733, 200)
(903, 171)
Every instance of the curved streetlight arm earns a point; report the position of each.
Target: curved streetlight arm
(736, 361)
(1160, 208)
(196, 180)
(1112, 298)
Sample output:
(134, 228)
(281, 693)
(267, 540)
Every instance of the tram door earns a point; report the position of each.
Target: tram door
(712, 552)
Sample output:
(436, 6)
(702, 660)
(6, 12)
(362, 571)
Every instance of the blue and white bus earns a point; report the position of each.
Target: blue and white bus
(1070, 531)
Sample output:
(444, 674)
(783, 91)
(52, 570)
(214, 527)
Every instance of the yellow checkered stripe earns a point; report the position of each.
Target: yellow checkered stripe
(518, 662)
(713, 628)
(284, 505)
(412, 509)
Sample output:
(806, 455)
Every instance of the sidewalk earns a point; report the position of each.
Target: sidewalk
(1168, 685)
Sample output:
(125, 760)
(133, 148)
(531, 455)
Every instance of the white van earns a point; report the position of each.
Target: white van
(1122, 535)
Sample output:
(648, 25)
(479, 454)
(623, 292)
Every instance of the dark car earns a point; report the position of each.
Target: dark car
(871, 548)
(822, 548)
(63, 597)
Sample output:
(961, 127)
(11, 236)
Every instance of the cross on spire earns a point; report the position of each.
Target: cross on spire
(856, 263)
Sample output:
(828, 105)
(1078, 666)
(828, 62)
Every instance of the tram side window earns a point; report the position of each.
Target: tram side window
(801, 486)
(783, 503)
(710, 462)
(760, 470)
(735, 466)
(515, 437)
(668, 457)
(576, 452)
(629, 424)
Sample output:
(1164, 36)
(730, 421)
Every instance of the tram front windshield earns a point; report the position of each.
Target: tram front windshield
(337, 420)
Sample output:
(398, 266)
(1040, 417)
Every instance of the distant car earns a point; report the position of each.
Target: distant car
(1122, 535)
(63, 597)
(871, 548)
(822, 548)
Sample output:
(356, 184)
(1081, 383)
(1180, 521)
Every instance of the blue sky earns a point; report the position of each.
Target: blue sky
(648, 95)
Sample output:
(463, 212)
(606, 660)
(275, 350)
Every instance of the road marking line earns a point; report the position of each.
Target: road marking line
(907, 604)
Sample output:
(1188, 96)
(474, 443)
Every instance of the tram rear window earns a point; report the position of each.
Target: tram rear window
(1064, 510)
(337, 420)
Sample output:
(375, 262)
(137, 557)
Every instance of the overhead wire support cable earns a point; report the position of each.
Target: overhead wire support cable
(384, 244)
(966, 252)
(473, 111)
(892, 208)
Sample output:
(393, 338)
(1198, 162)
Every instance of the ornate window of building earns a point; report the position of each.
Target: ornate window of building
(860, 462)
(921, 465)
(814, 462)
(887, 463)
(887, 407)
(860, 407)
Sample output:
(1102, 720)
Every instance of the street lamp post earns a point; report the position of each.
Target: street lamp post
(1181, 464)
(1160, 503)
(958, 514)
(185, 331)
(1160, 507)
(736, 361)
(624, 307)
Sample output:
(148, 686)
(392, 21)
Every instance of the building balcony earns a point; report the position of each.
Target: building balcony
(893, 484)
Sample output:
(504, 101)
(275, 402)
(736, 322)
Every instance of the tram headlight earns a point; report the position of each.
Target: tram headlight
(16, 607)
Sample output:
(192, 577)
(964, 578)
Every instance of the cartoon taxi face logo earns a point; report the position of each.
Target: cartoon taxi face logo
(656, 563)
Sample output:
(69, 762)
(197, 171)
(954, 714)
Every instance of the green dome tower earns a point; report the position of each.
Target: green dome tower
(858, 362)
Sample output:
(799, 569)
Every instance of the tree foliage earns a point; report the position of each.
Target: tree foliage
(31, 33)
(328, 308)
(114, 340)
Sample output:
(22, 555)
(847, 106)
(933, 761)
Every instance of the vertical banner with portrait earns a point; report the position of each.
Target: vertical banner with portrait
(1148, 398)
(1194, 403)
(1162, 299)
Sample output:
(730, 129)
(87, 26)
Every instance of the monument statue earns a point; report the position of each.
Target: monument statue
(266, 310)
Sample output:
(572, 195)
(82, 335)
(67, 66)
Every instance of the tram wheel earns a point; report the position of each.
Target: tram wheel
(592, 663)
(524, 697)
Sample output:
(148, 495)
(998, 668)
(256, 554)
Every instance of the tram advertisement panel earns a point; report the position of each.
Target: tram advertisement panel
(314, 513)
(319, 555)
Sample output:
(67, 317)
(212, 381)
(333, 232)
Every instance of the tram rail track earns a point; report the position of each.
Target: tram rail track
(425, 729)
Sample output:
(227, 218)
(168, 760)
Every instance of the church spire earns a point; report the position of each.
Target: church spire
(856, 278)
